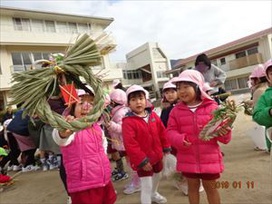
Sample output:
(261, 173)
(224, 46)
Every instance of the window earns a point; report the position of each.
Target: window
(17, 60)
(160, 74)
(135, 75)
(214, 62)
(45, 55)
(252, 51)
(40, 55)
(23, 60)
(82, 28)
(131, 74)
(222, 61)
(231, 84)
(242, 82)
(124, 74)
(37, 25)
(234, 84)
(50, 26)
(62, 27)
(22, 24)
(26, 58)
(240, 54)
(72, 27)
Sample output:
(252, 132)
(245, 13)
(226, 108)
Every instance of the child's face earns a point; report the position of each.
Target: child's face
(252, 81)
(170, 95)
(83, 107)
(138, 103)
(269, 75)
(186, 93)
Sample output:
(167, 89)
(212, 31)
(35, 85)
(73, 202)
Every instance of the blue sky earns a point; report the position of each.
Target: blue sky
(182, 28)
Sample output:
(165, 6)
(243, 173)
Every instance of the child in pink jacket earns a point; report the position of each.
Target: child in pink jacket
(198, 160)
(84, 157)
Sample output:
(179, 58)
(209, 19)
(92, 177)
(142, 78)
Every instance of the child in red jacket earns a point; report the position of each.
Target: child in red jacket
(145, 142)
(3, 178)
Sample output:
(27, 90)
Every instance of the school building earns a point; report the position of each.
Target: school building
(30, 35)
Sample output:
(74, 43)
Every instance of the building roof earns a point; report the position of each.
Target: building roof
(225, 46)
(18, 12)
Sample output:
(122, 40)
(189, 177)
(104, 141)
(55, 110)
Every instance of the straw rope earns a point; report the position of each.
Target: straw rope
(34, 87)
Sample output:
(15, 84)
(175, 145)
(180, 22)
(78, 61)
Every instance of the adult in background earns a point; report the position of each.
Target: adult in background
(212, 75)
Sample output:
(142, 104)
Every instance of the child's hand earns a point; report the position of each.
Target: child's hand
(186, 143)
(224, 130)
(70, 118)
(213, 83)
(65, 134)
(147, 167)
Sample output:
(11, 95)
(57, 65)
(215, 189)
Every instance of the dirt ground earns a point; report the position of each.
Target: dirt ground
(247, 178)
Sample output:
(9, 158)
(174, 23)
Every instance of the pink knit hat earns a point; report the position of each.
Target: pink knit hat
(118, 96)
(267, 64)
(258, 71)
(195, 77)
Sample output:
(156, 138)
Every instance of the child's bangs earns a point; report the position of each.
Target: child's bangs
(189, 83)
(136, 94)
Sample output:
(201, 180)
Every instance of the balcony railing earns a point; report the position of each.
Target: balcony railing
(246, 61)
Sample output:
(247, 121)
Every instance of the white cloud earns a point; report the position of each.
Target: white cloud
(182, 28)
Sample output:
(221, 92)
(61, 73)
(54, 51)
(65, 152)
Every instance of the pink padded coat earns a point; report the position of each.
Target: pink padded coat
(87, 166)
(201, 156)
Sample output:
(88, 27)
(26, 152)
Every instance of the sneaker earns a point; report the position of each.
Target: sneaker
(45, 167)
(53, 166)
(17, 168)
(69, 200)
(114, 172)
(30, 168)
(177, 184)
(52, 163)
(10, 168)
(158, 198)
(130, 189)
(184, 188)
(201, 188)
(120, 176)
